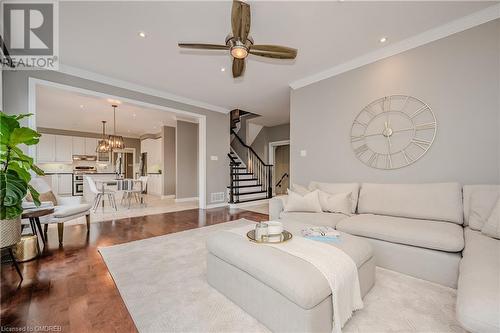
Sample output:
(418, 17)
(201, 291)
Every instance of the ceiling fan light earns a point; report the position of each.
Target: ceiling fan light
(239, 52)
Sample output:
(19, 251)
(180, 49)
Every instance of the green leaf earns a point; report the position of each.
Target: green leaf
(20, 170)
(24, 135)
(12, 188)
(11, 212)
(7, 125)
(21, 116)
(35, 195)
(37, 170)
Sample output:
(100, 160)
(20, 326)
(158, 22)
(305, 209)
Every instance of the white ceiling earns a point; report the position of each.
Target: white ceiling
(68, 110)
(102, 37)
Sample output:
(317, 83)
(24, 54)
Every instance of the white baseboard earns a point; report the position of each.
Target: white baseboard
(170, 196)
(217, 205)
(186, 199)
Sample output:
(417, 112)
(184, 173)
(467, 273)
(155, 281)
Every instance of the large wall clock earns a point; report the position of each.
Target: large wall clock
(393, 132)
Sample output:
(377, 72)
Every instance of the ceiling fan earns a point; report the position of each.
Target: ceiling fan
(240, 44)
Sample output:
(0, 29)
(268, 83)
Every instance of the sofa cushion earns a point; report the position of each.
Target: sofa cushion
(478, 293)
(435, 202)
(304, 284)
(336, 188)
(433, 235)
(319, 219)
(492, 226)
(303, 203)
(66, 211)
(479, 201)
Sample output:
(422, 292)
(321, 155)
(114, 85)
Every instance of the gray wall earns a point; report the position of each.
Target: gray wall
(169, 162)
(459, 77)
(15, 100)
(129, 142)
(187, 160)
(267, 135)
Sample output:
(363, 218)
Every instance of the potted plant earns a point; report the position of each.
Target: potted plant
(15, 174)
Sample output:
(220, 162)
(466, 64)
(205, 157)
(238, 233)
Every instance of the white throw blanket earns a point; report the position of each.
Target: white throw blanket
(338, 268)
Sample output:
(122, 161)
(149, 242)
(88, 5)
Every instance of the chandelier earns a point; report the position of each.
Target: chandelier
(103, 144)
(115, 141)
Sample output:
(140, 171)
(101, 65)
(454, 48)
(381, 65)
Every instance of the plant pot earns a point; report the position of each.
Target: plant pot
(10, 232)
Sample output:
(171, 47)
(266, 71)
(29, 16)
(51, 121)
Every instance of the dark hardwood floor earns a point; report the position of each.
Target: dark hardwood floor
(71, 288)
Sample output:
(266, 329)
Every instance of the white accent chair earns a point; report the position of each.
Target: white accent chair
(67, 209)
(99, 194)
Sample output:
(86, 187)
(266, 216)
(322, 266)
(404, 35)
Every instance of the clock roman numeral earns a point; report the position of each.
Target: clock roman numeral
(361, 150)
(371, 113)
(405, 103)
(388, 161)
(426, 126)
(407, 157)
(373, 160)
(419, 111)
(359, 122)
(357, 138)
(421, 143)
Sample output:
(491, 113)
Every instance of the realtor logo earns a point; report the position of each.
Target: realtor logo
(29, 35)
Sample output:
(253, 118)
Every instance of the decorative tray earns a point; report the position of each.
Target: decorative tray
(278, 238)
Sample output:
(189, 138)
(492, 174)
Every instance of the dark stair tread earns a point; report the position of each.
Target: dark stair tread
(239, 168)
(245, 186)
(242, 173)
(245, 179)
(248, 200)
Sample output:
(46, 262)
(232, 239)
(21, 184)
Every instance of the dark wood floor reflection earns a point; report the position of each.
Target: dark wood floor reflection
(71, 287)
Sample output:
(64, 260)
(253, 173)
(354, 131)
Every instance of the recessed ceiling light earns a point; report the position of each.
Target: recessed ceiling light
(223, 69)
(134, 115)
(81, 106)
(383, 39)
(142, 34)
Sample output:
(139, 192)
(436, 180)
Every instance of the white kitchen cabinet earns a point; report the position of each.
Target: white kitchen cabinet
(64, 148)
(78, 146)
(46, 148)
(90, 146)
(64, 184)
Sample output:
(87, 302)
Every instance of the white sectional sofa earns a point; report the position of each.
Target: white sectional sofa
(418, 229)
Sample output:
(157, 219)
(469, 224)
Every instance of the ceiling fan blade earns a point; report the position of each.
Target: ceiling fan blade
(240, 20)
(203, 46)
(238, 67)
(273, 51)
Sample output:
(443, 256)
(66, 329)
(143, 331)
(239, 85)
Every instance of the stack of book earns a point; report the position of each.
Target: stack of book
(322, 234)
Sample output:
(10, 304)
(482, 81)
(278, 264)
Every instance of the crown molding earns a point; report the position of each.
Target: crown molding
(445, 30)
(84, 74)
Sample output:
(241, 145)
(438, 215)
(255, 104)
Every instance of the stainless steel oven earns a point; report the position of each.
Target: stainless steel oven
(78, 173)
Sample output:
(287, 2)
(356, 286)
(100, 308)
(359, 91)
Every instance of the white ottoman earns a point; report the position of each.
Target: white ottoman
(283, 292)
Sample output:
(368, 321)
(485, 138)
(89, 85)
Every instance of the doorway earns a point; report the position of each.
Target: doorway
(279, 156)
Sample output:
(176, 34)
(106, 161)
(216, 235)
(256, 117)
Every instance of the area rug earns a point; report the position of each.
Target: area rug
(162, 281)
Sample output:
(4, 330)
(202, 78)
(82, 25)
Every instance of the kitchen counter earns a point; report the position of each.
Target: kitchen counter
(58, 173)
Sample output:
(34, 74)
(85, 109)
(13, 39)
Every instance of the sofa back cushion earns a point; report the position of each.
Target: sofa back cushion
(479, 201)
(436, 201)
(337, 188)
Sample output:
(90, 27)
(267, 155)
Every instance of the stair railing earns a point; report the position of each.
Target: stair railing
(261, 170)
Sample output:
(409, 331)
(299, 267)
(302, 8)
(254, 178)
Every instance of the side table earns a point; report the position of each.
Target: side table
(34, 217)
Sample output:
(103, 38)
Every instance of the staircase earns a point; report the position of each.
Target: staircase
(250, 178)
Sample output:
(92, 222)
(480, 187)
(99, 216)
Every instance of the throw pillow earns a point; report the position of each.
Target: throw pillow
(492, 226)
(44, 197)
(336, 203)
(481, 206)
(307, 203)
(302, 190)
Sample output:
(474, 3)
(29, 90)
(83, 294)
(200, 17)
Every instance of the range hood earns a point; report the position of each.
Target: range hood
(84, 158)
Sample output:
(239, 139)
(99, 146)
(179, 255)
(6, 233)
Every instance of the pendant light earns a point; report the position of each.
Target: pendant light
(103, 144)
(115, 141)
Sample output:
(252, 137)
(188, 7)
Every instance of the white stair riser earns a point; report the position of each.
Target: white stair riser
(252, 196)
(249, 189)
(245, 177)
(249, 182)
